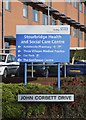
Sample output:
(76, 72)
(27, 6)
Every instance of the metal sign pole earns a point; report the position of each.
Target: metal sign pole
(25, 75)
(32, 69)
(65, 74)
(58, 76)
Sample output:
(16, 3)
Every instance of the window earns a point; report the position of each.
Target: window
(80, 35)
(35, 15)
(7, 46)
(84, 8)
(75, 3)
(53, 21)
(85, 36)
(69, 1)
(75, 32)
(8, 5)
(45, 19)
(80, 6)
(25, 10)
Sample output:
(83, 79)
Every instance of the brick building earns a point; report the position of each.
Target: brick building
(36, 13)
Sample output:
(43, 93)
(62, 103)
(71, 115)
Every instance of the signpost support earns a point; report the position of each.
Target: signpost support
(65, 70)
(25, 75)
(32, 69)
(58, 76)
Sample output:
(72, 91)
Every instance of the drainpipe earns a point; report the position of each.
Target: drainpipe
(49, 12)
(2, 26)
(78, 29)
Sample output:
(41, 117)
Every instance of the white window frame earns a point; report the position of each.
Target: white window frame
(25, 10)
(80, 7)
(35, 15)
(8, 5)
(45, 19)
(75, 4)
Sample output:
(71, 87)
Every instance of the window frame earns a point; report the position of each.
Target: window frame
(69, 1)
(25, 11)
(80, 7)
(75, 32)
(80, 35)
(35, 15)
(84, 36)
(44, 19)
(7, 46)
(8, 5)
(75, 4)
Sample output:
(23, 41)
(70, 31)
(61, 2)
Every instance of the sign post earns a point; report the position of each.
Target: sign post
(65, 74)
(59, 76)
(25, 75)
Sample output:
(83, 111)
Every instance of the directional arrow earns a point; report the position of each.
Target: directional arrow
(19, 60)
(19, 51)
(19, 55)
(19, 46)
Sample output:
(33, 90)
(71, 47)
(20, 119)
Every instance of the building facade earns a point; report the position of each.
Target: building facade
(42, 13)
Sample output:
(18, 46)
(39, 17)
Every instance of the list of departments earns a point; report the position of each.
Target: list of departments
(40, 48)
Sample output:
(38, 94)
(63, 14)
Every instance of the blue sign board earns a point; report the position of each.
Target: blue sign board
(40, 47)
(43, 44)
